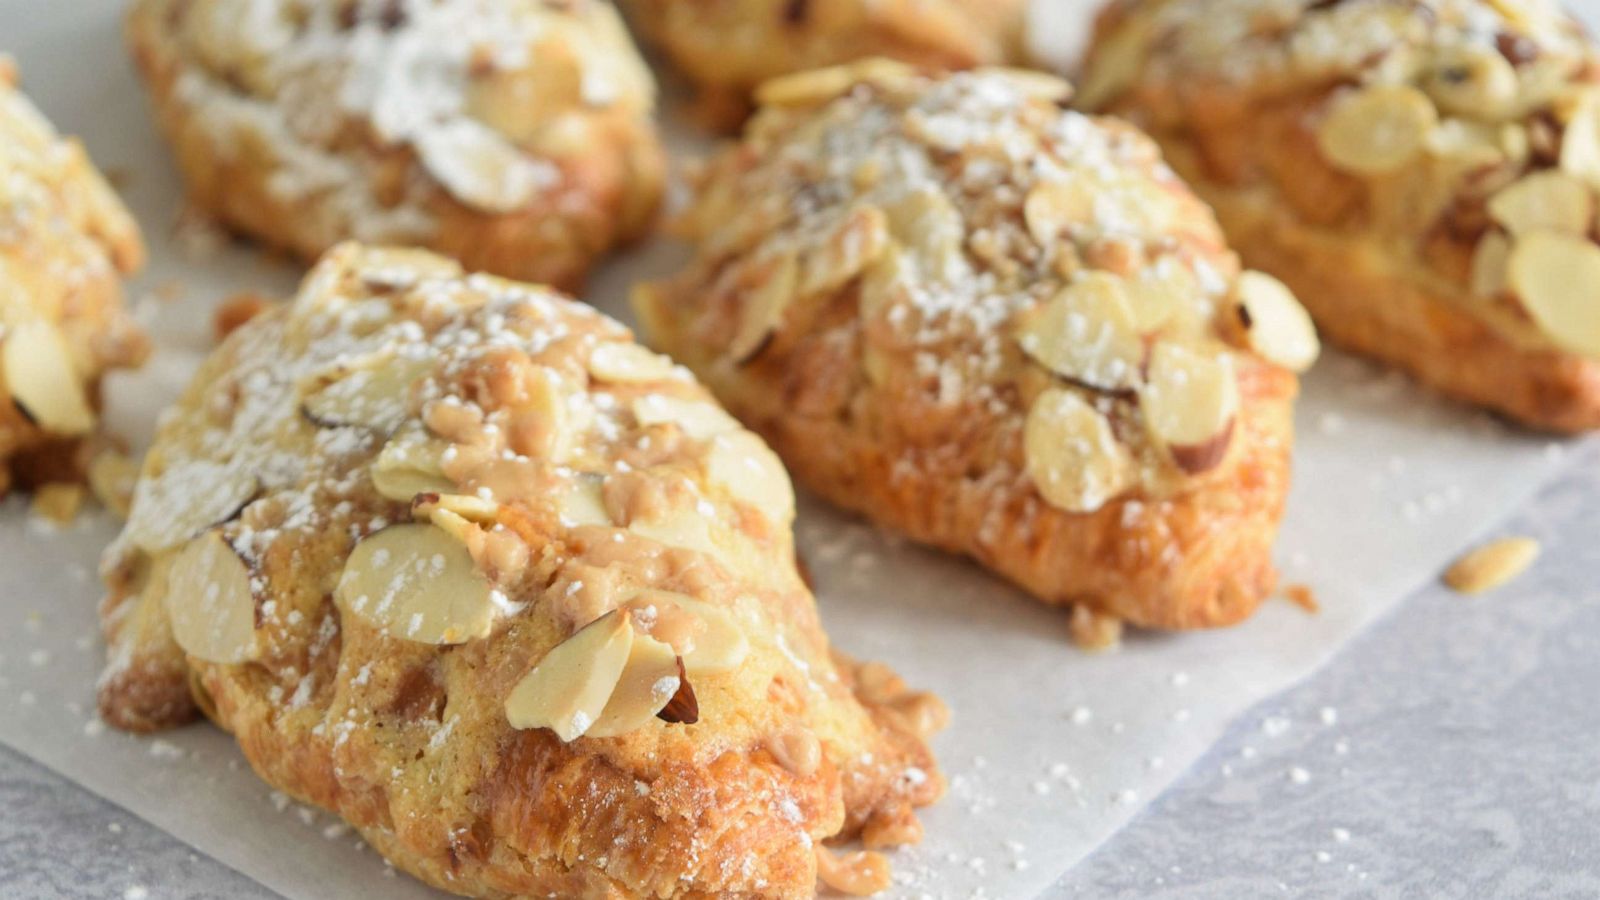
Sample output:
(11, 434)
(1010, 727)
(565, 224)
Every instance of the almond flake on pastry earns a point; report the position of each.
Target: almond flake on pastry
(1003, 328)
(517, 665)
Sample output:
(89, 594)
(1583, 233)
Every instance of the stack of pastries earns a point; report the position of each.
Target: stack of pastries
(454, 557)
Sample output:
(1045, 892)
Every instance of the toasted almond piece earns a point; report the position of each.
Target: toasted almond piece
(584, 502)
(1161, 295)
(1580, 140)
(38, 371)
(1116, 63)
(763, 309)
(467, 506)
(1088, 334)
(1377, 129)
(1094, 630)
(479, 167)
(649, 680)
(1276, 326)
(1550, 200)
(1072, 454)
(1470, 145)
(698, 419)
(749, 470)
(859, 874)
(568, 690)
(925, 222)
(112, 477)
(684, 707)
(1554, 276)
(417, 583)
(818, 86)
(58, 501)
(718, 645)
(186, 499)
(1492, 565)
(408, 465)
(1190, 403)
(1473, 80)
(1053, 206)
(546, 424)
(682, 527)
(618, 362)
(1489, 260)
(857, 240)
(375, 396)
(211, 603)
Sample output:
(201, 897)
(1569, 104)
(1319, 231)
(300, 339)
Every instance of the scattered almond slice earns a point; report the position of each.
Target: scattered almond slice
(112, 477)
(568, 690)
(1094, 630)
(1377, 129)
(1072, 455)
(1489, 260)
(1492, 565)
(184, 500)
(417, 583)
(718, 645)
(618, 362)
(58, 502)
(1087, 334)
(927, 223)
(763, 309)
(1553, 275)
(648, 682)
(1190, 403)
(1276, 326)
(479, 167)
(1162, 295)
(377, 396)
(699, 419)
(749, 470)
(211, 603)
(584, 502)
(469, 507)
(408, 465)
(1580, 140)
(1053, 206)
(1471, 80)
(682, 527)
(1550, 200)
(817, 86)
(38, 372)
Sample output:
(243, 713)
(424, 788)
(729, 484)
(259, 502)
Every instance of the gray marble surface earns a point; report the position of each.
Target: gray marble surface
(1450, 752)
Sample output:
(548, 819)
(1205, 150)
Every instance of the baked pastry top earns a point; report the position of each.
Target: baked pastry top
(514, 135)
(65, 243)
(453, 557)
(729, 47)
(1424, 175)
(1001, 327)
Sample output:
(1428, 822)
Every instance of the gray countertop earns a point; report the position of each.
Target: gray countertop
(1447, 753)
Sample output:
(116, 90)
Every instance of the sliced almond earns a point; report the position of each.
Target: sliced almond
(410, 465)
(1115, 63)
(1190, 403)
(684, 707)
(1088, 334)
(1554, 276)
(619, 362)
(762, 312)
(699, 419)
(681, 527)
(1550, 200)
(467, 506)
(1054, 206)
(184, 500)
(818, 86)
(1489, 260)
(1580, 140)
(210, 602)
(856, 241)
(584, 503)
(113, 477)
(925, 222)
(1492, 565)
(376, 396)
(718, 643)
(58, 502)
(38, 371)
(568, 690)
(749, 470)
(1377, 129)
(1161, 295)
(1473, 80)
(547, 425)
(1276, 326)
(1072, 455)
(479, 167)
(417, 583)
(649, 681)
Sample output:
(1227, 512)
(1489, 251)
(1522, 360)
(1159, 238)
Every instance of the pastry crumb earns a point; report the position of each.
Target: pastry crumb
(1094, 630)
(1303, 596)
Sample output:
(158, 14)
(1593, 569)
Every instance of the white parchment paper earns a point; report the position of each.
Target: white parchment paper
(1051, 749)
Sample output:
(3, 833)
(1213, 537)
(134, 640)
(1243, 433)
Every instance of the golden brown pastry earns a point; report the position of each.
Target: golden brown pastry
(729, 47)
(453, 557)
(1423, 175)
(65, 243)
(1003, 328)
(514, 135)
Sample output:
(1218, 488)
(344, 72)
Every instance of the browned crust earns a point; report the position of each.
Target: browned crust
(608, 196)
